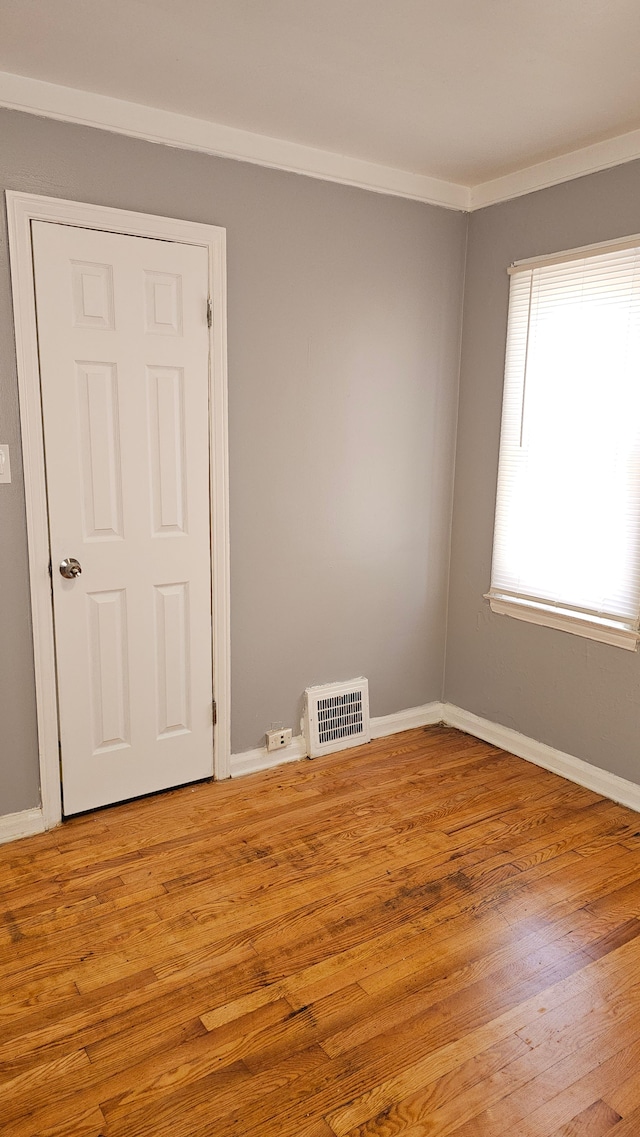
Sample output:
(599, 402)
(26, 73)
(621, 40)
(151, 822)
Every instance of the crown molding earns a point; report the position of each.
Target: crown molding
(67, 104)
(86, 108)
(564, 168)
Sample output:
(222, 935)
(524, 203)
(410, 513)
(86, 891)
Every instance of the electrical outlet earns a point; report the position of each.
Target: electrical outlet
(276, 739)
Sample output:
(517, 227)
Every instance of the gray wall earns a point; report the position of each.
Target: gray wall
(344, 323)
(577, 695)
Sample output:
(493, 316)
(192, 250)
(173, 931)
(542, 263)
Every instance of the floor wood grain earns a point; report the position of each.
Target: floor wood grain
(420, 937)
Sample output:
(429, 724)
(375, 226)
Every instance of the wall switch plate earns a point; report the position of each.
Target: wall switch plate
(276, 739)
(5, 464)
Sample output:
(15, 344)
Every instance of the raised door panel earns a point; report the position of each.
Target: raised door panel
(163, 307)
(109, 662)
(167, 449)
(99, 441)
(92, 286)
(173, 658)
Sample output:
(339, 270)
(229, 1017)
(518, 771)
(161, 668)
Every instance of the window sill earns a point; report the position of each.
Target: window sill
(606, 631)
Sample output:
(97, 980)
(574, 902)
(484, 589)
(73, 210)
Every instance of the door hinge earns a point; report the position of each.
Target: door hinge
(214, 712)
(209, 312)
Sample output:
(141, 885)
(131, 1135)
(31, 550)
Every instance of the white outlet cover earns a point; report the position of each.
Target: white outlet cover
(5, 464)
(278, 739)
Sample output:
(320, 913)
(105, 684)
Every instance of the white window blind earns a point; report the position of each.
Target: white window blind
(567, 530)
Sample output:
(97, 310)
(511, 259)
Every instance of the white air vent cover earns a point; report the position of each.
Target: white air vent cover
(337, 716)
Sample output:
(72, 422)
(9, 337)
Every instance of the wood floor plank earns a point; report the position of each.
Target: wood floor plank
(624, 1095)
(424, 935)
(213, 1103)
(568, 1089)
(594, 1121)
(629, 1126)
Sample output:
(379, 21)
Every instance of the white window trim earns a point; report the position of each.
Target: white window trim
(22, 209)
(632, 242)
(625, 634)
(564, 619)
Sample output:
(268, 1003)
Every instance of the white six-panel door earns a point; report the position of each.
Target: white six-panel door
(124, 359)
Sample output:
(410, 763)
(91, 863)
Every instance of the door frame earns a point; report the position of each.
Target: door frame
(22, 209)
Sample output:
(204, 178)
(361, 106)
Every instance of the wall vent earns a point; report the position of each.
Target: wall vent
(337, 716)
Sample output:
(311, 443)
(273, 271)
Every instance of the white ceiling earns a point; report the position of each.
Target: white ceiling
(460, 90)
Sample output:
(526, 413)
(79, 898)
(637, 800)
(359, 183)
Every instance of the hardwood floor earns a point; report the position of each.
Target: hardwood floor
(423, 936)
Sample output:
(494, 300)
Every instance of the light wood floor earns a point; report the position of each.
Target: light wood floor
(424, 936)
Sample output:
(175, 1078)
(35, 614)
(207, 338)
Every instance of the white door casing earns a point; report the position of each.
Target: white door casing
(123, 322)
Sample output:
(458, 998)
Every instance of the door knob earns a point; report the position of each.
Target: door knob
(70, 567)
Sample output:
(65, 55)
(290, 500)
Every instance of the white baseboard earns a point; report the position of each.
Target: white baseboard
(567, 765)
(426, 715)
(31, 821)
(24, 824)
(250, 761)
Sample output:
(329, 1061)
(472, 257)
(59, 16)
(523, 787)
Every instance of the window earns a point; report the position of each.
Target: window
(567, 531)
